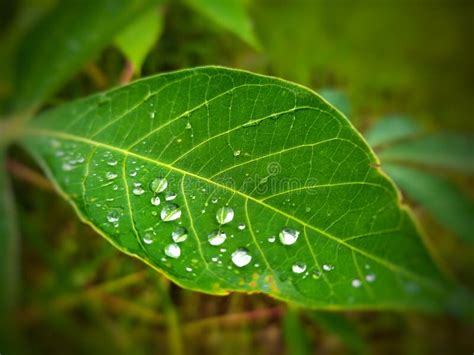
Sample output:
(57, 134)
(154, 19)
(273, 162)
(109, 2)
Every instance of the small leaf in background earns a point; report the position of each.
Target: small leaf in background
(69, 35)
(138, 38)
(338, 99)
(442, 150)
(443, 200)
(338, 325)
(230, 181)
(230, 14)
(391, 129)
(296, 340)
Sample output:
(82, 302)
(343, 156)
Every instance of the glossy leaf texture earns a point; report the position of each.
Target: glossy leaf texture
(229, 181)
(70, 34)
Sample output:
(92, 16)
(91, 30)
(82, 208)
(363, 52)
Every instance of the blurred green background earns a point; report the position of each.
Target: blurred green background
(79, 295)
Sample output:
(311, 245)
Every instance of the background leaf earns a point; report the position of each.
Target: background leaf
(230, 14)
(442, 199)
(313, 220)
(391, 129)
(139, 37)
(338, 99)
(296, 340)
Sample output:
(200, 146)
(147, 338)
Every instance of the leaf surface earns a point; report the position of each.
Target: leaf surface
(173, 153)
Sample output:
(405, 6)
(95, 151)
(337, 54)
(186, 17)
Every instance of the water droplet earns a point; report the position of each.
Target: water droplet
(149, 237)
(214, 200)
(307, 209)
(179, 235)
(188, 269)
(173, 250)
(241, 257)
(155, 201)
(370, 278)
(327, 267)
(158, 185)
(138, 190)
(271, 239)
(356, 283)
(298, 268)
(170, 212)
(316, 274)
(113, 216)
(152, 115)
(288, 236)
(112, 162)
(216, 237)
(170, 196)
(110, 175)
(224, 215)
(241, 226)
(236, 153)
(67, 167)
(188, 125)
(133, 174)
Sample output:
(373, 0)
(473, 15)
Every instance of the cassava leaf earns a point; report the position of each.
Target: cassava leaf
(338, 99)
(442, 199)
(230, 14)
(311, 219)
(63, 40)
(443, 150)
(137, 39)
(391, 129)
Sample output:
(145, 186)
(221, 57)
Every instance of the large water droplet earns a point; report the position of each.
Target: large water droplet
(241, 257)
(173, 250)
(155, 201)
(288, 236)
(298, 268)
(110, 175)
(170, 212)
(216, 237)
(356, 283)
(158, 185)
(113, 216)
(149, 237)
(224, 215)
(179, 235)
(170, 196)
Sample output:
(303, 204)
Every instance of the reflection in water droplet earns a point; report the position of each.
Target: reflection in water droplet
(179, 235)
(170, 212)
(370, 278)
(288, 236)
(158, 185)
(327, 267)
(271, 239)
(149, 237)
(241, 226)
(241, 257)
(216, 237)
(155, 201)
(356, 283)
(138, 190)
(298, 268)
(170, 196)
(173, 250)
(113, 216)
(224, 215)
(110, 175)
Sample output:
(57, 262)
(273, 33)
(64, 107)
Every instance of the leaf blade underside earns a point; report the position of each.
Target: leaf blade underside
(276, 153)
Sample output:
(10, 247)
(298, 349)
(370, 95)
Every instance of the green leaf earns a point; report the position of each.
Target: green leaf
(338, 99)
(296, 340)
(287, 164)
(230, 14)
(72, 33)
(442, 150)
(442, 199)
(391, 129)
(138, 38)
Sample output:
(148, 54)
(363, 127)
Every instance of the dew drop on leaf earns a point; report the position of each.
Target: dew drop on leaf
(241, 226)
(241, 257)
(224, 215)
(173, 250)
(271, 239)
(216, 237)
(155, 201)
(370, 278)
(149, 237)
(179, 235)
(288, 236)
(138, 190)
(298, 268)
(327, 267)
(112, 162)
(170, 212)
(158, 185)
(236, 153)
(170, 196)
(113, 216)
(110, 175)
(356, 283)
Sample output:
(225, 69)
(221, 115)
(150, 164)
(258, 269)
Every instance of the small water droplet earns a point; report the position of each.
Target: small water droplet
(149, 237)
(327, 267)
(241, 257)
(236, 153)
(170, 212)
(133, 174)
(158, 185)
(214, 200)
(67, 167)
(216, 237)
(224, 215)
(307, 209)
(298, 268)
(113, 216)
(170, 196)
(271, 239)
(138, 190)
(110, 175)
(288, 236)
(112, 162)
(241, 226)
(152, 115)
(316, 274)
(188, 125)
(356, 283)
(370, 278)
(155, 201)
(188, 269)
(179, 235)
(173, 250)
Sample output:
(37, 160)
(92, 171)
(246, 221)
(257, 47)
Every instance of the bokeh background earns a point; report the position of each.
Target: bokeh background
(412, 58)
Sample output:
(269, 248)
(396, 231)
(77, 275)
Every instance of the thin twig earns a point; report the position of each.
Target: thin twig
(25, 173)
